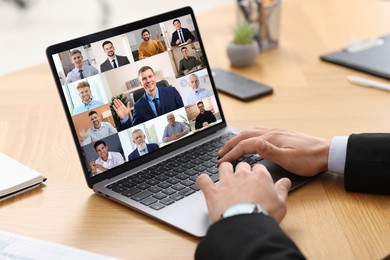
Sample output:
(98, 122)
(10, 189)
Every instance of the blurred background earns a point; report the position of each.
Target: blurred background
(27, 27)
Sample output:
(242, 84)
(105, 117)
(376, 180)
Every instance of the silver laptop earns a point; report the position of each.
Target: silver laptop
(168, 125)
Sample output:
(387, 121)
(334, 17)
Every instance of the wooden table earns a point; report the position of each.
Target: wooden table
(310, 96)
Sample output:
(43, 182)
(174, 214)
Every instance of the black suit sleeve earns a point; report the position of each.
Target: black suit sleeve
(251, 236)
(124, 126)
(367, 166)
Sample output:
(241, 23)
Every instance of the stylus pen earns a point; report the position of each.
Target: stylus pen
(368, 83)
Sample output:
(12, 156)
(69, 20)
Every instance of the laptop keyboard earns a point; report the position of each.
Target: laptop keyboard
(174, 179)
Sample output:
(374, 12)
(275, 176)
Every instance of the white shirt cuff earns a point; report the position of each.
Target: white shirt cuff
(338, 154)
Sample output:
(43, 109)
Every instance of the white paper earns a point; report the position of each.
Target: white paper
(13, 246)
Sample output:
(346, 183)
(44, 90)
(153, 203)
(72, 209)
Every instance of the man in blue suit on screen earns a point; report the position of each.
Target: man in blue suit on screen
(142, 146)
(157, 100)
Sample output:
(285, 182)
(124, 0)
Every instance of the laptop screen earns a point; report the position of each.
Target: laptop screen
(135, 92)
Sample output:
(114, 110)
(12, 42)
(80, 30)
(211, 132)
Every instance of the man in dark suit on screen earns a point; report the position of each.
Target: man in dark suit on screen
(142, 146)
(181, 35)
(156, 100)
(113, 61)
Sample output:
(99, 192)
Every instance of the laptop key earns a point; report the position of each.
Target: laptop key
(215, 177)
(130, 192)
(119, 189)
(208, 164)
(176, 196)
(181, 176)
(169, 191)
(152, 182)
(157, 206)
(194, 187)
(159, 195)
(155, 189)
(128, 184)
(149, 201)
(143, 186)
(142, 195)
(173, 181)
(162, 178)
(186, 191)
(170, 173)
(167, 201)
(187, 183)
(178, 187)
(164, 185)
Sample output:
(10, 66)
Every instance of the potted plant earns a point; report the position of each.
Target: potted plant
(243, 50)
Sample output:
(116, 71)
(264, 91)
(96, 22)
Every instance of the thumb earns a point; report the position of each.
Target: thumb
(282, 187)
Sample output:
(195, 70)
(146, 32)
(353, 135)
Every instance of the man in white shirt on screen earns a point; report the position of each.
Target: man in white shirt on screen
(174, 130)
(198, 93)
(106, 160)
(80, 70)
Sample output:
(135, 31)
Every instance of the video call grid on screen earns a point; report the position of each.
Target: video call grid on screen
(103, 83)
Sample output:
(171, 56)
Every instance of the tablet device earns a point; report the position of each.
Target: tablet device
(368, 56)
(238, 86)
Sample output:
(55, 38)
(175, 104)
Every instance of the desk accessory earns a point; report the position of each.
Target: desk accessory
(369, 56)
(16, 178)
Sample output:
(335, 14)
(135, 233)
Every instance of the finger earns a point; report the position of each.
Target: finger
(263, 172)
(243, 168)
(269, 151)
(282, 187)
(225, 172)
(243, 147)
(235, 140)
(116, 104)
(204, 183)
(128, 106)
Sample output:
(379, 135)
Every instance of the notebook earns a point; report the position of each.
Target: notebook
(147, 155)
(366, 56)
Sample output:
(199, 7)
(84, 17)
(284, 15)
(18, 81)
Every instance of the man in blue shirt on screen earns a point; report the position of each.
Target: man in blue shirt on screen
(87, 102)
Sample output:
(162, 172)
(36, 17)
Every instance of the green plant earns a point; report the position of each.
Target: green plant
(244, 33)
(122, 98)
(185, 121)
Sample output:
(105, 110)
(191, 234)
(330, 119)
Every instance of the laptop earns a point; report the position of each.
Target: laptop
(133, 154)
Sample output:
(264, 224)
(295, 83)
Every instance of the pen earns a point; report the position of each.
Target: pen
(368, 83)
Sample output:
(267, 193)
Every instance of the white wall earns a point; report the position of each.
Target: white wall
(25, 34)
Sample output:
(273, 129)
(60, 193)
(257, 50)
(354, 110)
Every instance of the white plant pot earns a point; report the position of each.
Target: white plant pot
(242, 55)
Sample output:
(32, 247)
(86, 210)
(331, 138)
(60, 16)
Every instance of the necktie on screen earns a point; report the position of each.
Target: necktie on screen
(114, 64)
(158, 106)
(181, 36)
(81, 74)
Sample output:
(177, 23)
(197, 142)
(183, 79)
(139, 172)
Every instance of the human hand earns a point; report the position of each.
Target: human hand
(178, 41)
(158, 37)
(100, 167)
(93, 168)
(186, 72)
(246, 184)
(299, 153)
(83, 134)
(121, 110)
(205, 124)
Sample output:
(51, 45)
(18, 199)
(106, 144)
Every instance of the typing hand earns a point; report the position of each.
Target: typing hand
(299, 153)
(246, 184)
